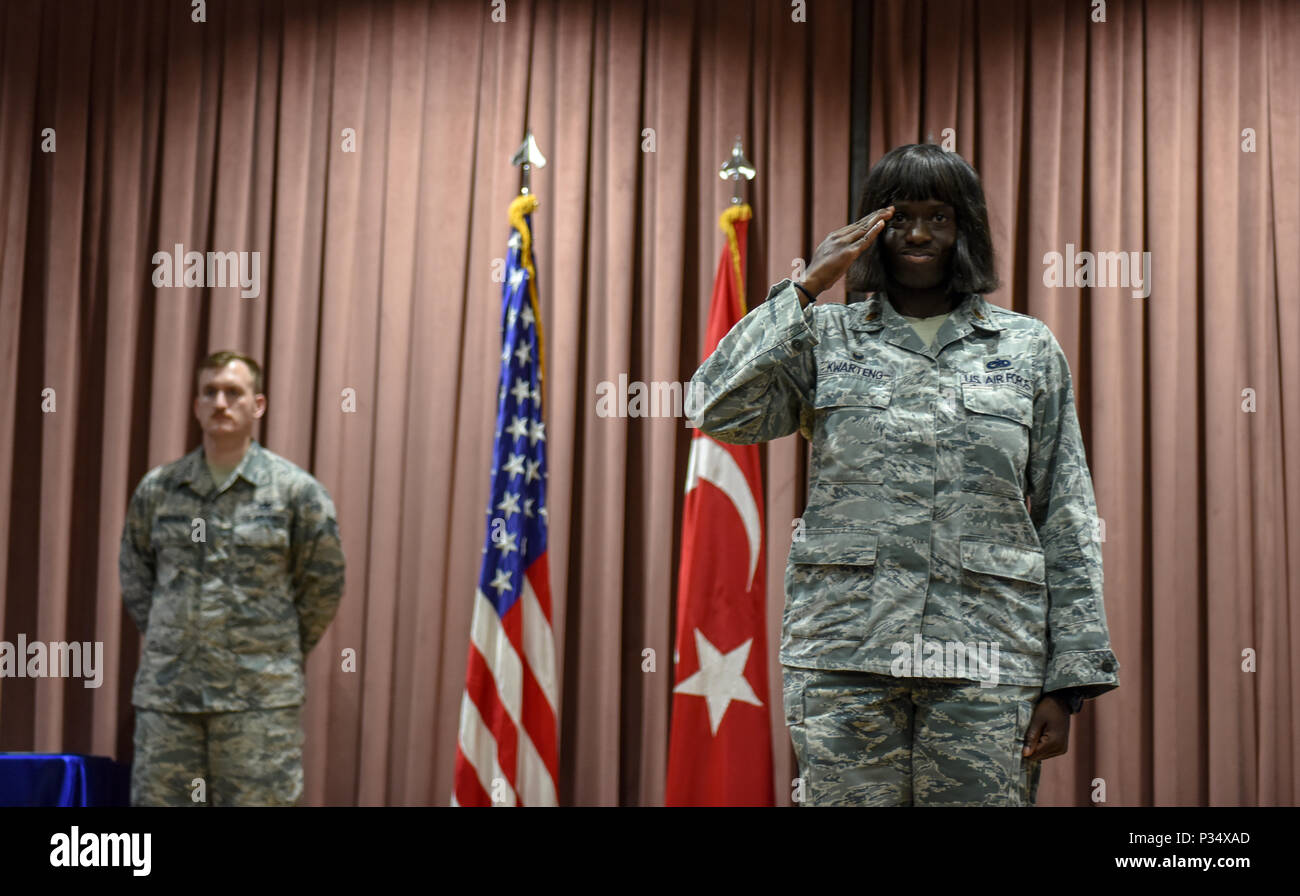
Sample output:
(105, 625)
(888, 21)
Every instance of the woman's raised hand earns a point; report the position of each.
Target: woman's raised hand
(839, 250)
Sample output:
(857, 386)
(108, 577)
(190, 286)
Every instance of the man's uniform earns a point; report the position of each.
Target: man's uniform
(231, 587)
(949, 506)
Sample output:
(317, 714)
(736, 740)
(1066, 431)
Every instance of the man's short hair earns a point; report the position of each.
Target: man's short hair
(917, 172)
(218, 360)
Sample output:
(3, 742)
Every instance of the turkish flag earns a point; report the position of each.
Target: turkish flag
(720, 747)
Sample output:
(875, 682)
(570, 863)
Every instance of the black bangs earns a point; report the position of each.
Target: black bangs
(916, 172)
(916, 176)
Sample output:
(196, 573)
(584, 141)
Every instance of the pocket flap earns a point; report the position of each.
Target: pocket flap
(1007, 560)
(1001, 401)
(835, 547)
(172, 529)
(850, 390)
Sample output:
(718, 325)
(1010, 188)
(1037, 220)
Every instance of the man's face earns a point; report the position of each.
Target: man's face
(226, 405)
(918, 242)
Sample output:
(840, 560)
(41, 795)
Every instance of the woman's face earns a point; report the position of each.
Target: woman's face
(917, 243)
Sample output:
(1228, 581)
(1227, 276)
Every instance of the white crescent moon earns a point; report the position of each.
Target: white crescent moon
(711, 462)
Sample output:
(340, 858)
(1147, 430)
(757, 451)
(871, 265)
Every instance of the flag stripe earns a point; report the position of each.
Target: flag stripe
(536, 778)
(476, 758)
(539, 641)
(537, 715)
(501, 657)
(495, 716)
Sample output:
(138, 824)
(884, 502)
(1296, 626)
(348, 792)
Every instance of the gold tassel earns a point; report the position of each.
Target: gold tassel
(727, 221)
(526, 205)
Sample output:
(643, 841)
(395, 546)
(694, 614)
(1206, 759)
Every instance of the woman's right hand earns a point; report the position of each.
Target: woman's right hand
(839, 250)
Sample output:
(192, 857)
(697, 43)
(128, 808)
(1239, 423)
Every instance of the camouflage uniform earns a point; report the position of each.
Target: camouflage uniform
(252, 757)
(948, 498)
(231, 587)
(876, 740)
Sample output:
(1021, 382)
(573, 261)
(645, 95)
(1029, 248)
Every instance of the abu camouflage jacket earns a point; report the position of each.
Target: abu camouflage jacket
(230, 587)
(949, 500)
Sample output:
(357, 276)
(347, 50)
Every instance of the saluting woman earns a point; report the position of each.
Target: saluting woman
(944, 611)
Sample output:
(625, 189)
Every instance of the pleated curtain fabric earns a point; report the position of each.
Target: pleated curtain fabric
(362, 150)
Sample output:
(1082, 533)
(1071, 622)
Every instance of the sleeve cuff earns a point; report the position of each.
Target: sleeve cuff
(1089, 673)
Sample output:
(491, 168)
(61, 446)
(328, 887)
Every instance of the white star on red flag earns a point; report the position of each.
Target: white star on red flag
(720, 679)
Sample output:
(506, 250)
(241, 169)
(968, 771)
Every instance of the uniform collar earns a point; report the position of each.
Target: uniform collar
(877, 313)
(251, 469)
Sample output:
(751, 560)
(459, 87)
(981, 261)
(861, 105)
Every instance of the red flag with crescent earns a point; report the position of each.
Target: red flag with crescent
(720, 748)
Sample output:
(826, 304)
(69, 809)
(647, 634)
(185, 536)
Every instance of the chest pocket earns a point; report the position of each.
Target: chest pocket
(852, 422)
(171, 530)
(175, 550)
(264, 529)
(998, 422)
(261, 542)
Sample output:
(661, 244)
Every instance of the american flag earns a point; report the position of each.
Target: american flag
(507, 750)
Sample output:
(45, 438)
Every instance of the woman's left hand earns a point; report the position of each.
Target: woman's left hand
(1049, 731)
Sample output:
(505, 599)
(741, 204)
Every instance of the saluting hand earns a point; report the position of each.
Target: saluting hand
(839, 250)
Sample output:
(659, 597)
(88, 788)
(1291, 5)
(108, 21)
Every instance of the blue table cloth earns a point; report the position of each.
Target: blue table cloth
(63, 779)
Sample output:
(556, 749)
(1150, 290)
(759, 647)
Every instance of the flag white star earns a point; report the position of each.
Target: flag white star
(532, 471)
(514, 242)
(524, 353)
(516, 277)
(507, 543)
(536, 430)
(515, 465)
(501, 582)
(520, 391)
(528, 508)
(720, 679)
(536, 397)
(527, 315)
(518, 427)
(510, 504)
(511, 316)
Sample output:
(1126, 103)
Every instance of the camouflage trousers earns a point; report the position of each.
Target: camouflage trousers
(876, 740)
(248, 758)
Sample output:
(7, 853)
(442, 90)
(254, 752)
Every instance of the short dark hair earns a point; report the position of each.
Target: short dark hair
(218, 360)
(917, 172)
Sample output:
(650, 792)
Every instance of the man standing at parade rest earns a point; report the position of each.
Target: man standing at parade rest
(232, 568)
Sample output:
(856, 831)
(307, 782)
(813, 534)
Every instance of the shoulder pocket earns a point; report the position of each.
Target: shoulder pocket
(838, 390)
(835, 547)
(851, 428)
(1000, 401)
(267, 529)
(998, 423)
(171, 530)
